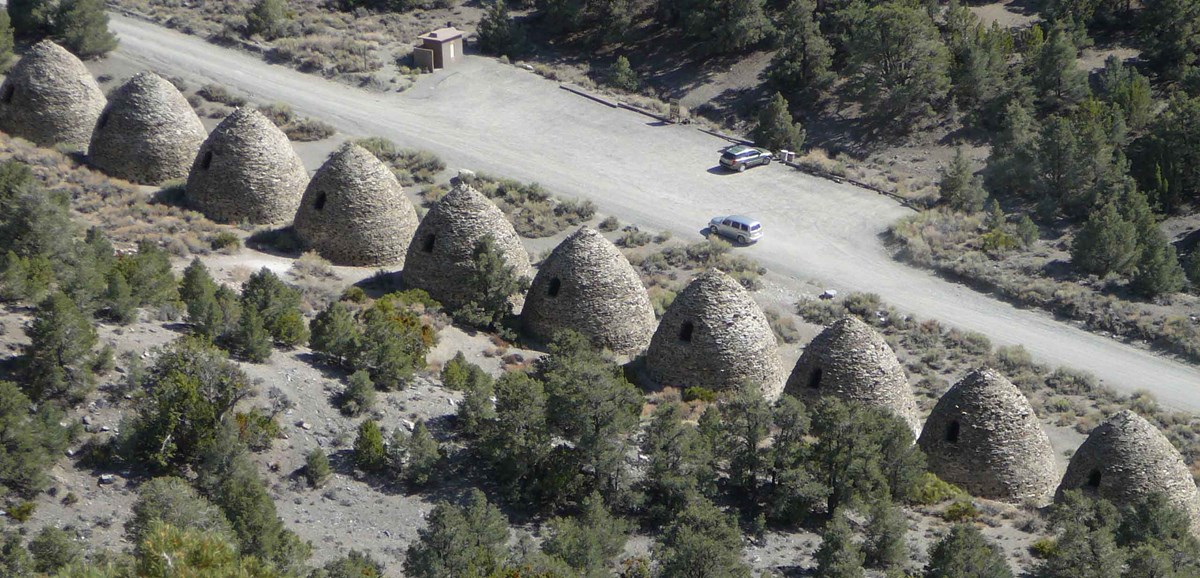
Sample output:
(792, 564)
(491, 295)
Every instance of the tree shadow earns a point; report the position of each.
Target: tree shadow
(281, 242)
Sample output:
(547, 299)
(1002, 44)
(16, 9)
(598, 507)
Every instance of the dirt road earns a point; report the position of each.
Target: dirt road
(500, 119)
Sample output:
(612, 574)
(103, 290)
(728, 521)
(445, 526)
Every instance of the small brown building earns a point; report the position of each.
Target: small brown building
(439, 49)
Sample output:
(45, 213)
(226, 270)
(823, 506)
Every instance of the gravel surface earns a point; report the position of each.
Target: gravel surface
(505, 120)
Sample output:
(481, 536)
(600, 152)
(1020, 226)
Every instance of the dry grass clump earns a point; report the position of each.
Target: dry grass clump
(116, 207)
(935, 356)
(534, 212)
(296, 127)
(213, 92)
(966, 247)
(329, 55)
(411, 166)
(667, 269)
(817, 160)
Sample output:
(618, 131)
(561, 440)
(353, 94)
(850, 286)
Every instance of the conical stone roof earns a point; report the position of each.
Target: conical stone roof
(851, 361)
(354, 211)
(442, 252)
(715, 336)
(984, 437)
(588, 286)
(1125, 459)
(148, 133)
(49, 98)
(247, 171)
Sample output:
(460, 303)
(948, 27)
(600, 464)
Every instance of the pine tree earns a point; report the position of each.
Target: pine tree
(801, 68)
(1013, 164)
(776, 130)
(839, 556)
(82, 27)
(885, 545)
(499, 34)
(518, 443)
(1168, 33)
(359, 396)
(590, 541)
(965, 552)
(6, 39)
(421, 455)
(336, 335)
(267, 18)
(59, 355)
(680, 463)
(459, 541)
(959, 187)
(250, 339)
(621, 75)
(1059, 83)
(793, 490)
(316, 468)
(370, 453)
(899, 65)
(1158, 271)
(121, 305)
(1106, 243)
(31, 18)
(746, 424)
(701, 541)
(199, 293)
(492, 281)
(1085, 546)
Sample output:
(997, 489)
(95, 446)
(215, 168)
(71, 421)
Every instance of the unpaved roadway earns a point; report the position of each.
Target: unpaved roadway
(500, 119)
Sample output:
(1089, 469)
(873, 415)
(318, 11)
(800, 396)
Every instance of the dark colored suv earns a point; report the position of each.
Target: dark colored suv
(739, 157)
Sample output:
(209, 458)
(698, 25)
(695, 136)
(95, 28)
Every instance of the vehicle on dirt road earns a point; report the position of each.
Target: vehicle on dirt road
(740, 157)
(742, 229)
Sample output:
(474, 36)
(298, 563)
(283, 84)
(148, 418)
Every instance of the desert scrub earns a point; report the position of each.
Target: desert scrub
(410, 166)
(999, 259)
(213, 92)
(534, 212)
(328, 55)
(783, 326)
(633, 237)
(296, 127)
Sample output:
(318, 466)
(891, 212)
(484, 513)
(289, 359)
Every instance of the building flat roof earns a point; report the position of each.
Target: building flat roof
(442, 34)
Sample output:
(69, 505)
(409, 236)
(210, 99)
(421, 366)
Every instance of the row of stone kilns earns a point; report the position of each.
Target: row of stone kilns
(982, 435)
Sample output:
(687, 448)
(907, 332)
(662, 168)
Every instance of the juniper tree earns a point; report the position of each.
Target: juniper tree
(701, 541)
(959, 187)
(81, 26)
(588, 542)
(58, 358)
(459, 540)
(776, 130)
(680, 463)
(965, 552)
(839, 556)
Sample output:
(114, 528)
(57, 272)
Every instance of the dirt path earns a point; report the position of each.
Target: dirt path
(500, 119)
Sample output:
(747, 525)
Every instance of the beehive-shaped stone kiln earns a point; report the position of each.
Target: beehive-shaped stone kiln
(715, 336)
(247, 171)
(354, 211)
(147, 134)
(49, 98)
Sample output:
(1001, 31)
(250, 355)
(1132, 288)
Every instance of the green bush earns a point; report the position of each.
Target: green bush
(359, 396)
(256, 429)
(696, 393)
(621, 76)
(54, 549)
(930, 489)
(22, 511)
(960, 511)
(226, 241)
(316, 468)
(1044, 548)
